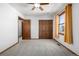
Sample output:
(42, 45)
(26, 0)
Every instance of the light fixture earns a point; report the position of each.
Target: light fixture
(37, 5)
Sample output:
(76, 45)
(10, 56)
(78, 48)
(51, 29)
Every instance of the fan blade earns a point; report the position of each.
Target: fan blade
(40, 3)
(30, 3)
(33, 8)
(44, 3)
(41, 8)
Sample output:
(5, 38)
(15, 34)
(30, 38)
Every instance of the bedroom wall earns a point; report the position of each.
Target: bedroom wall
(8, 26)
(75, 17)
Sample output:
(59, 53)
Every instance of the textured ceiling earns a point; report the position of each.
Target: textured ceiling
(26, 9)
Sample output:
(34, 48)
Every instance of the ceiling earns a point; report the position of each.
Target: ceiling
(26, 9)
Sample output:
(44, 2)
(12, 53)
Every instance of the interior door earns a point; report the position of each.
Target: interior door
(45, 29)
(26, 27)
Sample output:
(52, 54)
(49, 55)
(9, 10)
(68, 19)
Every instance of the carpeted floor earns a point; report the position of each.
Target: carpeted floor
(37, 47)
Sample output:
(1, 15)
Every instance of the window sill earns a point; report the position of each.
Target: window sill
(61, 33)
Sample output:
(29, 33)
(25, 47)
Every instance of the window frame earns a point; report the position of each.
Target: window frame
(61, 23)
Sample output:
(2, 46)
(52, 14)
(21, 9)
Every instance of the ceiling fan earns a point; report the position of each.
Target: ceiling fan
(38, 5)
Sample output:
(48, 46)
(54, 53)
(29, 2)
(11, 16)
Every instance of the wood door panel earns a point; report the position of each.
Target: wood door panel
(45, 29)
(26, 29)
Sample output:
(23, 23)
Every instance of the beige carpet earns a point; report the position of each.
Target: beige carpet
(37, 47)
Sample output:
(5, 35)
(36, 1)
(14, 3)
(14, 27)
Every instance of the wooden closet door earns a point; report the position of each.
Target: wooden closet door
(26, 27)
(50, 29)
(45, 29)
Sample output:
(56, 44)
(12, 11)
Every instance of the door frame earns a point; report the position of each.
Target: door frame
(21, 19)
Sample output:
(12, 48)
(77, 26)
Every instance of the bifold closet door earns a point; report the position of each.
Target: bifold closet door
(45, 29)
(26, 29)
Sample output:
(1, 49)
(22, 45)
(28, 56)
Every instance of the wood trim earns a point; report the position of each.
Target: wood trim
(20, 18)
(61, 13)
(66, 47)
(61, 33)
(9, 47)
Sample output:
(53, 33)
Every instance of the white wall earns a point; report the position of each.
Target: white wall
(8, 26)
(35, 23)
(75, 46)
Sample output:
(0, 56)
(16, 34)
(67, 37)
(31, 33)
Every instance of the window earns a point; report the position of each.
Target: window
(61, 23)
